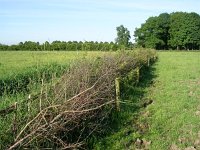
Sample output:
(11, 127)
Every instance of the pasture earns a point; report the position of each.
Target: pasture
(161, 112)
(15, 62)
(174, 116)
(18, 68)
(172, 120)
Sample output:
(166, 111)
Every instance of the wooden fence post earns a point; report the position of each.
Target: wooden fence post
(117, 100)
(137, 74)
(41, 92)
(28, 102)
(14, 126)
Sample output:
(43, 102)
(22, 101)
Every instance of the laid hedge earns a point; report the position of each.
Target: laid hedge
(64, 115)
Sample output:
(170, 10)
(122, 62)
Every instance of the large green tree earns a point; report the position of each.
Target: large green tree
(184, 30)
(123, 36)
(154, 32)
(179, 30)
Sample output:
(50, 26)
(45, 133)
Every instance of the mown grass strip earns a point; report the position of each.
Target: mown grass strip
(174, 118)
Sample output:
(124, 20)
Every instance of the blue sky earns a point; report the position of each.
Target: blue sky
(49, 20)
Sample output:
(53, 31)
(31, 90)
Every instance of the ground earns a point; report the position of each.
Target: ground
(174, 116)
(172, 120)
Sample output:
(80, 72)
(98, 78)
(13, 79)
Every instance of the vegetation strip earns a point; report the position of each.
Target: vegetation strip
(173, 117)
(69, 107)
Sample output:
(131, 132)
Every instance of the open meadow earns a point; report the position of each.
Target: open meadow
(16, 62)
(175, 114)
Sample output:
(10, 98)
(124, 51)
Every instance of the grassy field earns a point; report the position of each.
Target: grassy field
(21, 72)
(172, 120)
(19, 68)
(172, 84)
(175, 114)
(14, 62)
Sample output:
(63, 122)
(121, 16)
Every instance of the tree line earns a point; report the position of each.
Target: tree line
(61, 46)
(65, 46)
(121, 42)
(178, 30)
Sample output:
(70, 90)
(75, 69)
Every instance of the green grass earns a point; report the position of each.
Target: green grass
(19, 68)
(173, 84)
(173, 119)
(14, 62)
(176, 96)
(21, 71)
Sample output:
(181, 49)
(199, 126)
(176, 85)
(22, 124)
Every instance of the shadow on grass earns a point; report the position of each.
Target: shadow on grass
(123, 128)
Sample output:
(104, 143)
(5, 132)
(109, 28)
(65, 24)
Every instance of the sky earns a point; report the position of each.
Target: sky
(79, 20)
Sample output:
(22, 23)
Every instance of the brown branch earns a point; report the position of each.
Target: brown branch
(8, 110)
(24, 138)
(81, 111)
